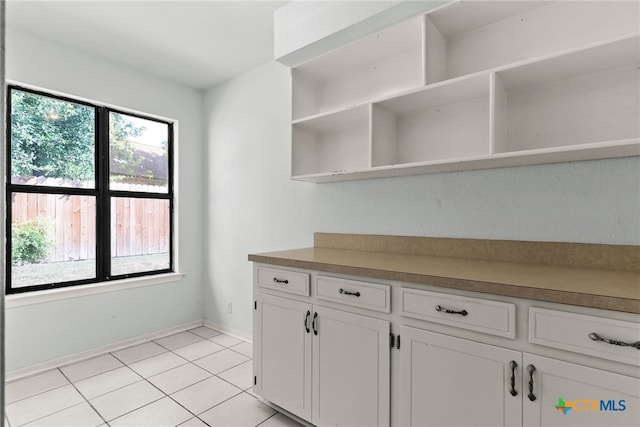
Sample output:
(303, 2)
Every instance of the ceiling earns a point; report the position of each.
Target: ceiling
(196, 43)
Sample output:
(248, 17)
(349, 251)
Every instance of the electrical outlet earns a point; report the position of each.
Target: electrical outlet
(229, 307)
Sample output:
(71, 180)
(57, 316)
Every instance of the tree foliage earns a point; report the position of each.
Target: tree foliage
(51, 138)
(56, 139)
(121, 132)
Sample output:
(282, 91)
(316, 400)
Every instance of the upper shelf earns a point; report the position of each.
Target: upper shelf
(382, 63)
(473, 85)
(466, 37)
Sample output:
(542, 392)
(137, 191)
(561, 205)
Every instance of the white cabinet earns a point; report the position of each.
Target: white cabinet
(475, 314)
(326, 366)
(371, 296)
(470, 85)
(591, 397)
(324, 352)
(351, 369)
(282, 341)
(601, 337)
(447, 381)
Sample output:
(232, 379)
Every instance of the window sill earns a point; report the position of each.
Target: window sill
(39, 297)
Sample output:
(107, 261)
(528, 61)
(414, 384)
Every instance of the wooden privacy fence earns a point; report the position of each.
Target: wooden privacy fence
(138, 226)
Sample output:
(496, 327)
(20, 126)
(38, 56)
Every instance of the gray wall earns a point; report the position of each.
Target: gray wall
(252, 206)
(46, 331)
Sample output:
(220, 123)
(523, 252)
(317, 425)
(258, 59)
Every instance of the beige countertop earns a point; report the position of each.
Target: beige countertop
(612, 289)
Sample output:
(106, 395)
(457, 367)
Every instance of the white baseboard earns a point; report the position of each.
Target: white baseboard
(88, 354)
(229, 331)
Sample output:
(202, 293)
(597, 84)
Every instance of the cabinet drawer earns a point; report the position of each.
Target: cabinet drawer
(571, 331)
(371, 296)
(475, 314)
(283, 280)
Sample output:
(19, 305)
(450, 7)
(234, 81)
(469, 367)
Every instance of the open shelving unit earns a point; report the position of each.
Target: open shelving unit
(472, 85)
(334, 142)
(425, 126)
(584, 97)
(377, 65)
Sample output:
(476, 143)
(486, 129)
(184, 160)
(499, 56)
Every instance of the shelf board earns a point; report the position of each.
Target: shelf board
(466, 16)
(389, 42)
(338, 119)
(602, 150)
(621, 52)
(443, 93)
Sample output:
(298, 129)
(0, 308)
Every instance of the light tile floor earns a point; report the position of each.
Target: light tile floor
(194, 378)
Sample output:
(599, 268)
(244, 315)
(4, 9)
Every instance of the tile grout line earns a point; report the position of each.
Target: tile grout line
(116, 389)
(267, 419)
(144, 358)
(241, 391)
(82, 395)
(220, 403)
(195, 335)
(146, 379)
(150, 403)
(37, 394)
(182, 406)
(63, 409)
(187, 362)
(90, 376)
(135, 409)
(53, 413)
(198, 415)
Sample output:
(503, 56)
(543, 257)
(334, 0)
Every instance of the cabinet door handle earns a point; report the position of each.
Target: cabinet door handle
(596, 337)
(314, 324)
(531, 369)
(355, 294)
(285, 281)
(513, 365)
(306, 321)
(446, 310)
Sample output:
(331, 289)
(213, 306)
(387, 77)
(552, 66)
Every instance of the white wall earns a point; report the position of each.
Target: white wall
(51, 330)
(252, 206)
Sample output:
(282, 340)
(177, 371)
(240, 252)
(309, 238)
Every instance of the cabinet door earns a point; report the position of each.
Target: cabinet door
(282, 363)
(447, 381)
(567, 394)
(351, 370)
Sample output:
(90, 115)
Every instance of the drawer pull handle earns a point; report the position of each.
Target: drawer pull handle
(531, 369)
(306, 321)
(446, 310)
(343, 292)
(314, 324)
(285, 281)
(513, 365)
(596, 337)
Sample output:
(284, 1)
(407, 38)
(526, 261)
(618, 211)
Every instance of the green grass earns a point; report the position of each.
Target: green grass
(54, 272)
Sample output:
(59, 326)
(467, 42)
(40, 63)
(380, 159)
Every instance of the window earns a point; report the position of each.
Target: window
(90, 193)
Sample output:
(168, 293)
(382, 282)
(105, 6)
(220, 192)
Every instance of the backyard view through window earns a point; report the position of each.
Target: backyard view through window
(90, 193)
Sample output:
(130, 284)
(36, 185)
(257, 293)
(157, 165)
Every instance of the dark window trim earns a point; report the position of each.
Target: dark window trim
(101, 192)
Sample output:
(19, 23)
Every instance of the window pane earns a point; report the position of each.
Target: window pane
(138, 150)
(139, 235)
(52, 141)
(52, 238)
